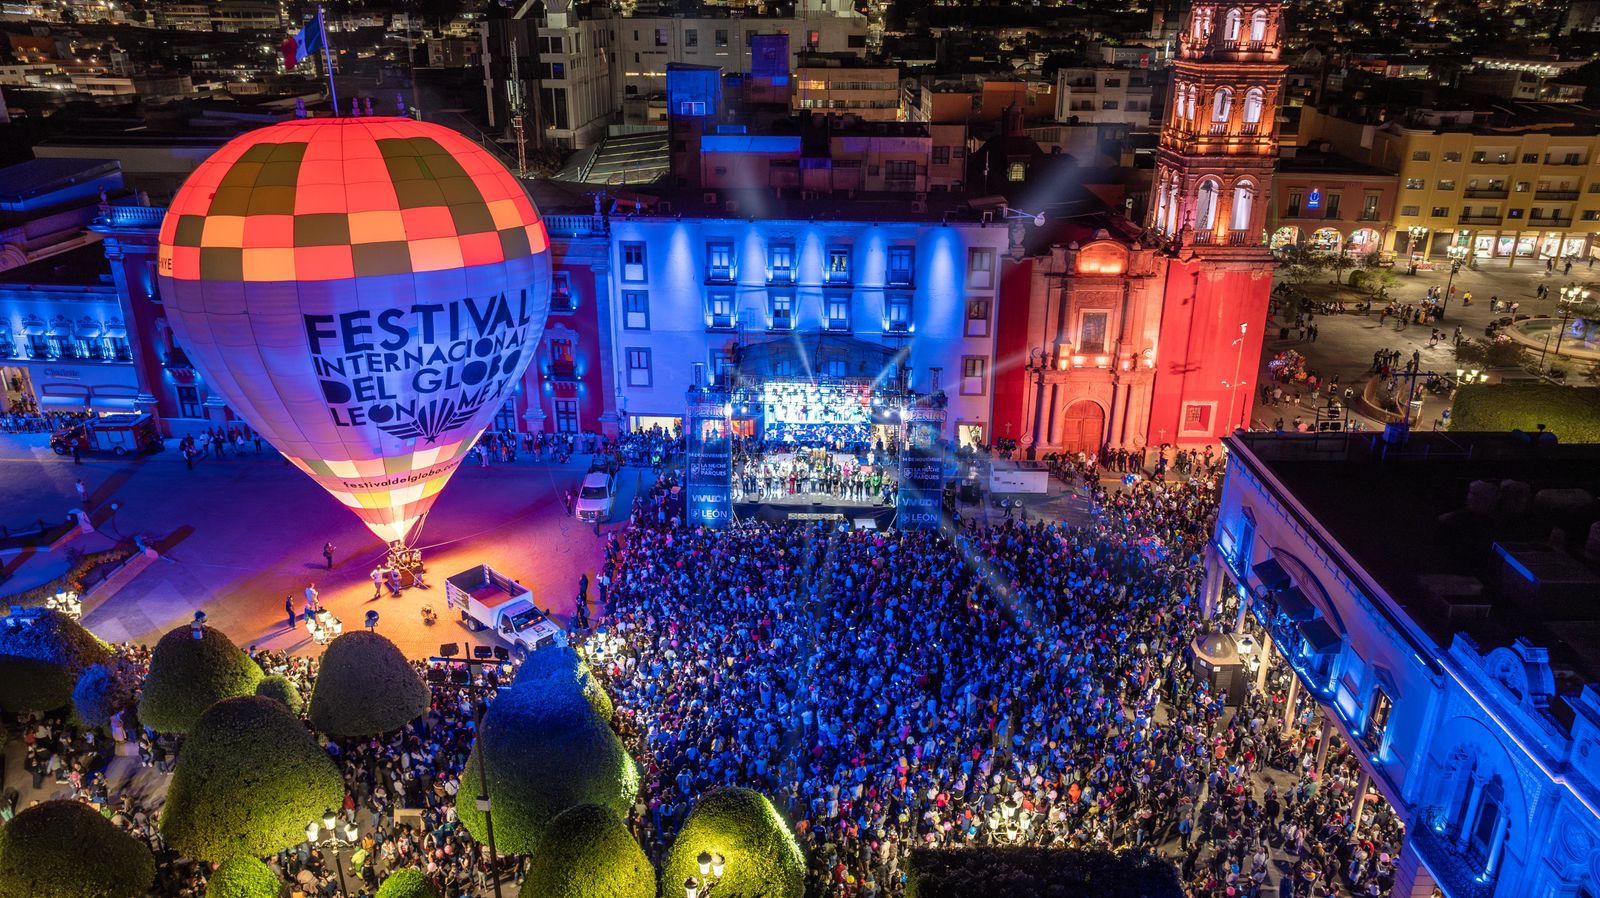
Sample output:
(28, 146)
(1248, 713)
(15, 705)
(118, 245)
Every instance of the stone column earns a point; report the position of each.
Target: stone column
(1411, 878)
(1266, 661)
(1289, 700)
(1363, 783)
(1323, 739)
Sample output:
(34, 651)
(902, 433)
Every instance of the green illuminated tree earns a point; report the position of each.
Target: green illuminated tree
(189, 675)
(762, 858)
(66, 849)
(587, 852)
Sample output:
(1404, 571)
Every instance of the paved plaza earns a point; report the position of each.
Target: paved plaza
(240, 534)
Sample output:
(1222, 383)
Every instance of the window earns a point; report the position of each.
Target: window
(899, 313)
(116, 348)
(972, 371)
(1254, 101)
(1411, 210)
(1591, 215)
(633, 263)
(1421, 156)
(1377, 719)
(638, 367)
(1574, 158)
(1016, 171)
(1258, 25)
(980, 268)
(1331, 204)
(188, 402)
(1244, 201)
(719, 261)
(1514, 213)
(1112, 82)
(838, 313)
(838, 265)
(977, 318)
(900, 169)
(780, 263)
(1452, 156)
(566, 416)
(39, 347)
(1447, 184)
(1595, 187)
(1293, 209)
(1206, 207)
(941, 155)
(1527, 158)
(1369, 207)
(722, 37)
(1480, 156)
(691, 38)
(780, 309)
(1440, 212)
(1108, 104)
(1416, 184)
(721, 302)
(636, 310)
(1222, 104)
(1521, 187)
(1092, 327)
(901, 260)
(561, 298)
(1197, 417)
(661, 37)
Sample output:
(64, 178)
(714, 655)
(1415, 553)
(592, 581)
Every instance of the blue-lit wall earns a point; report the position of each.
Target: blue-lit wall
(679, 331)
(1465, 731)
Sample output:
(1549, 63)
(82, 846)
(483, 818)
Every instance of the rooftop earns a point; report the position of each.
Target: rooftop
(85, 266)
(1314, 162)
(1403, 517)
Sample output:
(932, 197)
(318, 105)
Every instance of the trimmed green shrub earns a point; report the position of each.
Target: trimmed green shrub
(1039, 873)
(66, 849)
(41, 659)
(106, 690)
(587, 852)
(278, 688)
(763, 859)
(243, 877)
(189, 675)
(407, 882)
(365, 687)
(249, 778)
(546, 751)
(88, 570)
(559, 667)
(1571, 413)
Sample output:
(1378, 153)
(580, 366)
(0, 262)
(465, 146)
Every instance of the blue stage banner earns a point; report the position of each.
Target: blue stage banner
(921, 468)
(709, 426)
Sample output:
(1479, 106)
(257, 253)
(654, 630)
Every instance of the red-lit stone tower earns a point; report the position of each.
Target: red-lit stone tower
(1219, 143)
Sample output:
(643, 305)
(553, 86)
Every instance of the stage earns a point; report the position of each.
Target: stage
(798, 508)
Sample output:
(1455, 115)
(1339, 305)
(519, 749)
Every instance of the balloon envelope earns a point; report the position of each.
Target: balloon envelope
(365, 292)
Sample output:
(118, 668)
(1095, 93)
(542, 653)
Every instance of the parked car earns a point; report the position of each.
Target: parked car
(110, 434)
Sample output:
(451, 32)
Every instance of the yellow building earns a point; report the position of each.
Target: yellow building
(1513, 189)
(839, 84)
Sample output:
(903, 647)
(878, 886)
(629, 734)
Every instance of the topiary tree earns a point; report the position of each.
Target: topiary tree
(407, 882)
(106, 690)
(763, 860)
(41, 659)
(545, 752)
(365, 686)
(243, 877)
(559, 667)
(189, 675)
(249, 778)
(587, 852)
(66, 849)
(278, 688)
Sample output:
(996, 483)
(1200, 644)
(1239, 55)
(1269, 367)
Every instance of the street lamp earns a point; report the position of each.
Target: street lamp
(1458, 254)
(711, 869)
(337, 839)
(1418, 234)
(1571, 295)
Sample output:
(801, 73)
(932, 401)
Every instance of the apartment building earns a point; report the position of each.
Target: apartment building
(840, 84)
(1511, 188)
(1104, 95)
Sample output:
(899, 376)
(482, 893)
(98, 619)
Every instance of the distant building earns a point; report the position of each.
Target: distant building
(1104, 94)
(841, 84)
(1327, 203)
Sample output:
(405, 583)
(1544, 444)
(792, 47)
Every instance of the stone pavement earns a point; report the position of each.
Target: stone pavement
(240, 534)
(1346, 342)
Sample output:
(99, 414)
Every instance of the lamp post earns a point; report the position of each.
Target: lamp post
(1418, 234)
(1458, 254)
(1235, 384)
(488, 658)
(711, 869)
(337, 839)
(1571, 295)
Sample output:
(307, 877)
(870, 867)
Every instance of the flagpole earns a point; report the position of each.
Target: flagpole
(327, 55)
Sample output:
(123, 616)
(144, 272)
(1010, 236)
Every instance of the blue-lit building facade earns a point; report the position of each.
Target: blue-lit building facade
(1429, 601)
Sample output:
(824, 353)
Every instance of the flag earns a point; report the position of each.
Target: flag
(298, 48)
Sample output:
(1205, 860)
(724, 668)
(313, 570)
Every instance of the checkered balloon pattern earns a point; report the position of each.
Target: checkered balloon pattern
(365, 292)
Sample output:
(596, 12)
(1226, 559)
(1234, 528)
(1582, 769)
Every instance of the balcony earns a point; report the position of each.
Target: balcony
(563, 301)
(1455, 866)
(1551, 160)
(1486, 193)
(1218, 129)
(563, 370)
(719, 274)
(1550, 222)
(130, 216)
(1485, 160)
(1559, 196)
(1224, 238)
(575, 225)
(1479, 219)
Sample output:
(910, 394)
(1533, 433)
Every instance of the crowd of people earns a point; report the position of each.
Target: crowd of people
(766, 476)
(1011, 684)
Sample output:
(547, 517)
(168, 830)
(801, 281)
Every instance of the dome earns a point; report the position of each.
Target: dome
(330, 198)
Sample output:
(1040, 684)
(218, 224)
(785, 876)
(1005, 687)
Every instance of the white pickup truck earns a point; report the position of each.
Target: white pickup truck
(489, 599)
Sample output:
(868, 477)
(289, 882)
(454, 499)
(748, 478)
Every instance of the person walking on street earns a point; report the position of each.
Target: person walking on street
(327, 552)
(288, 607)
(83, 494)
(377, 582)
(77, 452)
(311, 600)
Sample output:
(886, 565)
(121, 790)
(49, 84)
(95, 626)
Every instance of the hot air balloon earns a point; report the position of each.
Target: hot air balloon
(365, 293)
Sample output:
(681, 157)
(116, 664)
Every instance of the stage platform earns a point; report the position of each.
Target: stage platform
(801, 508)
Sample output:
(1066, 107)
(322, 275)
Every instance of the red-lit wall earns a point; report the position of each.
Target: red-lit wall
(1011, 348)
(582, 326)
(1201, 351)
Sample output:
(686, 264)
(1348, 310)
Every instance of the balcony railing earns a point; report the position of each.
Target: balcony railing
(1555, 195)
(1486, 193)
(563, 301)
(1479, 219)
(131, 216)
(575, 225)
(1551, 222)
(1457, 868)
(563, 370)
(1224, 238)
(1217, 129)
(1551, 160)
